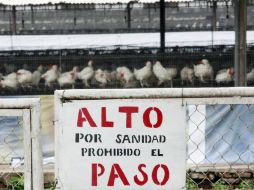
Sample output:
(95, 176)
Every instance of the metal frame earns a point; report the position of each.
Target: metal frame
(29, 110)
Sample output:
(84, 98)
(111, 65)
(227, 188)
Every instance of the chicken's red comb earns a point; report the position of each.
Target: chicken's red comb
(231, 71)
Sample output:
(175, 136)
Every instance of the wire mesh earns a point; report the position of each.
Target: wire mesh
(107, 61)
(220, 146)
(12, 153)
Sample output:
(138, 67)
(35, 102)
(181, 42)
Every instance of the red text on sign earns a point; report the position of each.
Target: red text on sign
(86, 119)
(117, 173)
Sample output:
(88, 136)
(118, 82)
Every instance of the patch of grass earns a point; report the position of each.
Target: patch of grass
(246, 185)
(191, 185)
(221, 185)
(17, 183)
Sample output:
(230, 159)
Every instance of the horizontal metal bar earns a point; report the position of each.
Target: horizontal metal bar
(11, 112)
(65, 95)
(18, 103)
(220, 167)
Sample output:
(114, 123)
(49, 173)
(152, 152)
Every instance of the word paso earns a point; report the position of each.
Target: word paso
(159, 175)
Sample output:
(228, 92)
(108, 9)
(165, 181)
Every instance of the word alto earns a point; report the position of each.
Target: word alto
(84, 117)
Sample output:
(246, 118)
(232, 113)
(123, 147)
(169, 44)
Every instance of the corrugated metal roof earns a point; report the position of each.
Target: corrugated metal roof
(39, 2)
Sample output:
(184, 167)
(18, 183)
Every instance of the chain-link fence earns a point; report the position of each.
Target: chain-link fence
(220, 146)
(20, 155)
(12, 153)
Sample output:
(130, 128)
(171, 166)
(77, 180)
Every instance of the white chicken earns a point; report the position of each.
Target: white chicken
(68, 78)
(37, 75)
(203, 71)
(250, 76)
(102, 77)
(225, 76)
(113, 76)
(12, 75)
(164, 74)
(50, 76)
(126, 77)
(9, 81)
(143, 74)
(187, 74)
(86, 74)
(24, 78)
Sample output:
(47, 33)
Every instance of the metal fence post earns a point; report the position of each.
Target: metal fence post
(13, 20)
(129, 7)
(240, 42)
(162, 25)
(214, 17)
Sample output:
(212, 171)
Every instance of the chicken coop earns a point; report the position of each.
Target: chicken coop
(106, 63)
(180, 61)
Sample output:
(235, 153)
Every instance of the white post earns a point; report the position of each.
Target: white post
(27, 150)
(38, 178)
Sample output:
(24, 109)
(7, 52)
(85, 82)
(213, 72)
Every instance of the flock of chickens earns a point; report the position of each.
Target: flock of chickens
(151, 74)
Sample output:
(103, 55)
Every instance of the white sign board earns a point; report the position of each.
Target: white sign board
(121, 144)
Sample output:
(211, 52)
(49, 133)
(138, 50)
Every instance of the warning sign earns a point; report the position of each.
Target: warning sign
(121, 144)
